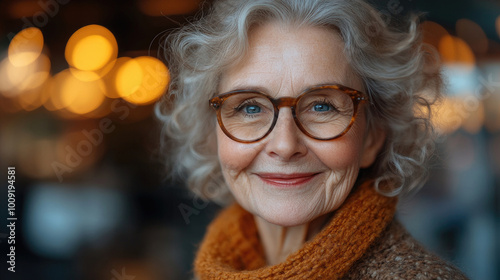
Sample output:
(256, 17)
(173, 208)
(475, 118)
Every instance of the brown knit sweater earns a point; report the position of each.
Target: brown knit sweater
(397, 255)
(360, 242)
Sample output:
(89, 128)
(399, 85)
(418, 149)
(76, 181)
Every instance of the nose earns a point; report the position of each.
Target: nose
(286, 140)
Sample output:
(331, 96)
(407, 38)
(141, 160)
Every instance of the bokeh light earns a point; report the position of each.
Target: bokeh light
(142, 80)
(15, 80)
(24, 72)
(85, 76)
(26, 47)
(72, 216)
(32, 99)
(91, 48)
(77, 96)
(455, 50)
(473, 34)
(111, 76)
(452, 113)
(82, 97)
(92, 75)
(445, 115)
(129, 77)
(92, 53)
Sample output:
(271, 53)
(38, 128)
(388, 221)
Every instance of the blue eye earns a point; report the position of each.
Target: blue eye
(252, 109)
(321, 107)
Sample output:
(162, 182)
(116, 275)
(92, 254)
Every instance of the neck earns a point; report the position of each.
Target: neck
(279, 241)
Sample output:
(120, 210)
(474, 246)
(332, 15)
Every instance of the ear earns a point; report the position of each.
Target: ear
(374, 140)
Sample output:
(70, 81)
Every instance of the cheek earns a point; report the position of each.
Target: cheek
(234, 157)
(341, 153)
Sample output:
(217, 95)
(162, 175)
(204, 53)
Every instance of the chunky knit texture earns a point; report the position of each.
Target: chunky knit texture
(360, 242)
(396, 255)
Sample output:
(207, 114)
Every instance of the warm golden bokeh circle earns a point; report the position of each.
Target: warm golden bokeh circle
(91, 48)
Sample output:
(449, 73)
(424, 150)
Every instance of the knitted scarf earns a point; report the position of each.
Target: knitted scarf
(231, 248)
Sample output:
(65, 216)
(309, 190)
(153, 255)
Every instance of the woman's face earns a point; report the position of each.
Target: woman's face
(288, 178)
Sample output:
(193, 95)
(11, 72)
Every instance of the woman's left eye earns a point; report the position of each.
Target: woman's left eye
(321, 107)
(252, 109)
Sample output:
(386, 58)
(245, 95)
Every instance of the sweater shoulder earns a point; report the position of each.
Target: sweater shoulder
(397, 255)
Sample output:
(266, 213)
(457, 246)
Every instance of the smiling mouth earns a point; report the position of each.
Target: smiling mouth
(286, 180)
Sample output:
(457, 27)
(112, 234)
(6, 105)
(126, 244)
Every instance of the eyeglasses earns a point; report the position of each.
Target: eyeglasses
(324, 112)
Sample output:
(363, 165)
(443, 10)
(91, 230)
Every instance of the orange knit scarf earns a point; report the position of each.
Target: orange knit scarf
(231, 248)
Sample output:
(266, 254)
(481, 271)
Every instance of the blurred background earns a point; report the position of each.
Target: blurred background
(78, 82)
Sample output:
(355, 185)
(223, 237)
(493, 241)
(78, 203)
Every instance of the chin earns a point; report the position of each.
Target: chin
(286, 217)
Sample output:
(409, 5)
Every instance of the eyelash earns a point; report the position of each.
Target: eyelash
(243, 104)
(324, 101)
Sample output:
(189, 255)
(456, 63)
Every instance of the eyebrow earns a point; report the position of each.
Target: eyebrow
(249, 87)
(266, 91)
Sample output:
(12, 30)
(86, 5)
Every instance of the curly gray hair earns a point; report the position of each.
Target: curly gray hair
(396, 68)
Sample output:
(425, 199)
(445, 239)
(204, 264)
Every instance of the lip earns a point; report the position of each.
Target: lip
(286, 180)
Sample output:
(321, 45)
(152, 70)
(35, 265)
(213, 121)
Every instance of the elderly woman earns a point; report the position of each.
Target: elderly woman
(310, 114)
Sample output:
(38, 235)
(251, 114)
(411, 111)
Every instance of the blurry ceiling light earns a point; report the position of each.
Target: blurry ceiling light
(445, 116)
(463, 106)
(74, 95)
(454, 50)
(86, 76)
(92, 53)
(15, 80)
(110, 78)
(142, 80)
(462, 79)
(74, 215)
(128, 77)
(473, 34)
(53, 101)
(32, 99)
(26, 47)
(167, 7)
(82, 97)
(91, 48)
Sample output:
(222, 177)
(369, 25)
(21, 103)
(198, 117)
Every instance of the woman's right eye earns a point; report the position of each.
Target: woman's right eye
(322, 107)
(252, 109)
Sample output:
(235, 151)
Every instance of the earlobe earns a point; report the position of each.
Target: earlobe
(373, 142)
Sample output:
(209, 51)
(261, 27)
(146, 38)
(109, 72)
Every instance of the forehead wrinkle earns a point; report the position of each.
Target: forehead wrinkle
(277, 68)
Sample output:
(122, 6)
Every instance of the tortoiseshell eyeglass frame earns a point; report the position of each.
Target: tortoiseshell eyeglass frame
(356, 96)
